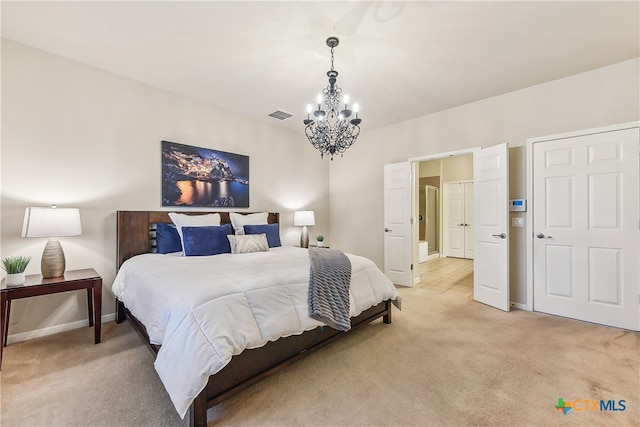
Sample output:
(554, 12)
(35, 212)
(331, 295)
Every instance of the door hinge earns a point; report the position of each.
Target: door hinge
(412, 267)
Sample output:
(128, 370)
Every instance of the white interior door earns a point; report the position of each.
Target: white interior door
(453, 212)
(491, 215)
(468, 220)
(458, 219)
(586, 230)
(397, 223)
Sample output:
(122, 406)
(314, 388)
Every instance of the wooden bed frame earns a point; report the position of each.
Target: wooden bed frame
(136, 235)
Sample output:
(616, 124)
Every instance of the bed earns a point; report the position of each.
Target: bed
(147, 295)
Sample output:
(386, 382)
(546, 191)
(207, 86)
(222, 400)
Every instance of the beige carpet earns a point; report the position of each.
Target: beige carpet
(445, 361)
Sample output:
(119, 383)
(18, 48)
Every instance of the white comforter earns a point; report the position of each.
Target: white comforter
(204, 310)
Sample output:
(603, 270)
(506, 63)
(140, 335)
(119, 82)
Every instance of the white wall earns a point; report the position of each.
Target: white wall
(459, 168)
(600, 97)
(81, 137)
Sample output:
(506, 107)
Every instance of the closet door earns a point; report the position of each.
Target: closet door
(585, 211)
(453, 210)
(458, 222)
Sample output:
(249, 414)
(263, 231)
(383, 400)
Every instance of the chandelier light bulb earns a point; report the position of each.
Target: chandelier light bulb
(308, 120)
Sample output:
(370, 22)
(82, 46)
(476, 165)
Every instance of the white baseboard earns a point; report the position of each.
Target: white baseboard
(24, 336)
(520, 306)
(433, 256)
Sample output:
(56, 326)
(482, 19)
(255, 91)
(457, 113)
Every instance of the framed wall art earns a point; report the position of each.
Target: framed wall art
(202, 177)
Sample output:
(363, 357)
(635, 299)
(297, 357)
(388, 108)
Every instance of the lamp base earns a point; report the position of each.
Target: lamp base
(53, 262)
(304, 238)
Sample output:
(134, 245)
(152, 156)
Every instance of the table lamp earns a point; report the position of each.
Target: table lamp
(304, 219)
(51, 222)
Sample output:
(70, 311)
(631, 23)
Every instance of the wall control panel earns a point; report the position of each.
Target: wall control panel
(518, 205)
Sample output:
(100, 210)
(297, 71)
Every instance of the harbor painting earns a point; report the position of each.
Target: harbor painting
(201, 177)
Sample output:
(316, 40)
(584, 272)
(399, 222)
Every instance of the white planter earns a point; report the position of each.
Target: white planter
(15, 279)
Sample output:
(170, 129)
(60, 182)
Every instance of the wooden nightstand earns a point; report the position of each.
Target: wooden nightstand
(35, 285)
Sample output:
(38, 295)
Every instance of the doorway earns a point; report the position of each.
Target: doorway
(491, 261)
(490, 175)
(438, 269)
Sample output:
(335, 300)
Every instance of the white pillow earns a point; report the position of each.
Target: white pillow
(238, 221)
(182, 220)
(248, 243)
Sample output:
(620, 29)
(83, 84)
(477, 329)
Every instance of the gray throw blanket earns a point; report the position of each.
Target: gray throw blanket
(329, 281)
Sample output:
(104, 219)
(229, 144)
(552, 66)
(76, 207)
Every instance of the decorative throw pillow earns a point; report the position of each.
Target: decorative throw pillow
(239, 220)
(206, 240)
(248, 243)
(167, 239)
(271, 230)
(182, 220)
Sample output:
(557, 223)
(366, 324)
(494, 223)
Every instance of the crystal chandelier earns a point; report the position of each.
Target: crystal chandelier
(331, 130)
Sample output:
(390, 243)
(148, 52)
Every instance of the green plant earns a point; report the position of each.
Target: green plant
(320, 237)
(15, 264)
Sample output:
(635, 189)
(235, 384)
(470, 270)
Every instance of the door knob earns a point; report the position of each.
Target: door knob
(501, 235)
(542, 236)
(460, 225)
(386, 230)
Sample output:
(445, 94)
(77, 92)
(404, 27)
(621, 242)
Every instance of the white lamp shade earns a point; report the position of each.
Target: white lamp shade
(302, 218)
(51, 222)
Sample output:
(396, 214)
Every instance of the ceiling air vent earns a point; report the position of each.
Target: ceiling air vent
(280, 115)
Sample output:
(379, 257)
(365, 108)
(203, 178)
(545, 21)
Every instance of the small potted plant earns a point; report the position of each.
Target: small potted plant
(15, 266)
(320, 239)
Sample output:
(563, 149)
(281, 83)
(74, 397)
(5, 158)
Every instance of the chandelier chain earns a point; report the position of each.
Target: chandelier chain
(332, 59)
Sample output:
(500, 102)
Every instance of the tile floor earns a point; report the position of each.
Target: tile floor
(453, 276)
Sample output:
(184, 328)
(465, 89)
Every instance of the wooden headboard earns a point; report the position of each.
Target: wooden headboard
(136, 229)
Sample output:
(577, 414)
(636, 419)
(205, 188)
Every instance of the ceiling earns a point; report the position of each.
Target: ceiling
(397, 60)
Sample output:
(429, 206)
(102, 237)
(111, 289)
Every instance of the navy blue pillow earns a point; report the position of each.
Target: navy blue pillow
(208, 240)
(271, 230)
(167, 238)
